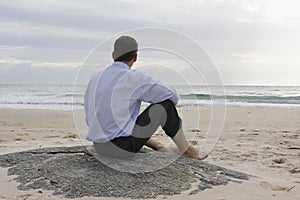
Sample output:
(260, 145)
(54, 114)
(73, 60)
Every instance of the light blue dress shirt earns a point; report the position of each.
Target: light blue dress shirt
(113, 99)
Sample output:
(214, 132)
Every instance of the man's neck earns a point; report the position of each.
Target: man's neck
(129, 63)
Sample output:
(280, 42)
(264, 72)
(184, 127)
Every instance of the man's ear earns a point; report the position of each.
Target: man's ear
(113, 55)
(135, 58)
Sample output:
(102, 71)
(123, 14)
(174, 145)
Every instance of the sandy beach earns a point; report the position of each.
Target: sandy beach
(261, 141)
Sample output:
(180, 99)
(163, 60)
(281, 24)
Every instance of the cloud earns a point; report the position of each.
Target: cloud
(46, 34)
(25, 73)
(16, 71)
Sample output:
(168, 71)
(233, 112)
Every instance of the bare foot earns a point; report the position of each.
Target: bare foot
(168, 149)
(193, 152)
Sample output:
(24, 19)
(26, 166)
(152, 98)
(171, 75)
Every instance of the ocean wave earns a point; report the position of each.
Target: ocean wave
(45, 95)
(63, 96)
(245, 98)
(40, 103)
(71, 95)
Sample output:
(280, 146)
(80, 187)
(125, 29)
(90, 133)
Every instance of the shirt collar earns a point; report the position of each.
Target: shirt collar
(120, 64)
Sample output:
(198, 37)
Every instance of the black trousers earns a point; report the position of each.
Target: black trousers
(162, 114)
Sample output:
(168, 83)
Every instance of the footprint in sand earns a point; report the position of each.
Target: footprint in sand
(71, 136)
(3, 123)
(272, 187)
(23, 196)
(279, 160)
(295, 170)
(22, 134)
(194, 130)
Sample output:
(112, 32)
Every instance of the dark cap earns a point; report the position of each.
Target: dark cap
(123, 45)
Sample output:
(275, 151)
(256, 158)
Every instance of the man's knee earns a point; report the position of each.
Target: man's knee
(167, 103)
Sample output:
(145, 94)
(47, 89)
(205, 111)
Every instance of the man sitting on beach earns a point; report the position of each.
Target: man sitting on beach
(112, 103)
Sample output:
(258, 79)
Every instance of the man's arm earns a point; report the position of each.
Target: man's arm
(150, 90)
(155, 92)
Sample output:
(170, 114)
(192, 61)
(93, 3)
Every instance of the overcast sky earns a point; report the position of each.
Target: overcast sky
(250, 41)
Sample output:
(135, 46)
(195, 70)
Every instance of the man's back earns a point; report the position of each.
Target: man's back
(113, 99)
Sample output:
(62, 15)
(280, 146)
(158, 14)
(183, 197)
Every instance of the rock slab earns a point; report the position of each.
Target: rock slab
(74, 172)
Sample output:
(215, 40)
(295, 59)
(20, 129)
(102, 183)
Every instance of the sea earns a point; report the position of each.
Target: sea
(68, 97)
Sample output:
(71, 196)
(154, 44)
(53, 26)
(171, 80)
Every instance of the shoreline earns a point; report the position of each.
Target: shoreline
(260, 141)
(227, 105)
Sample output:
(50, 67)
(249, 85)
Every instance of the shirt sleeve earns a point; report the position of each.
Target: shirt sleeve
(86, 104)
(153, 91)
